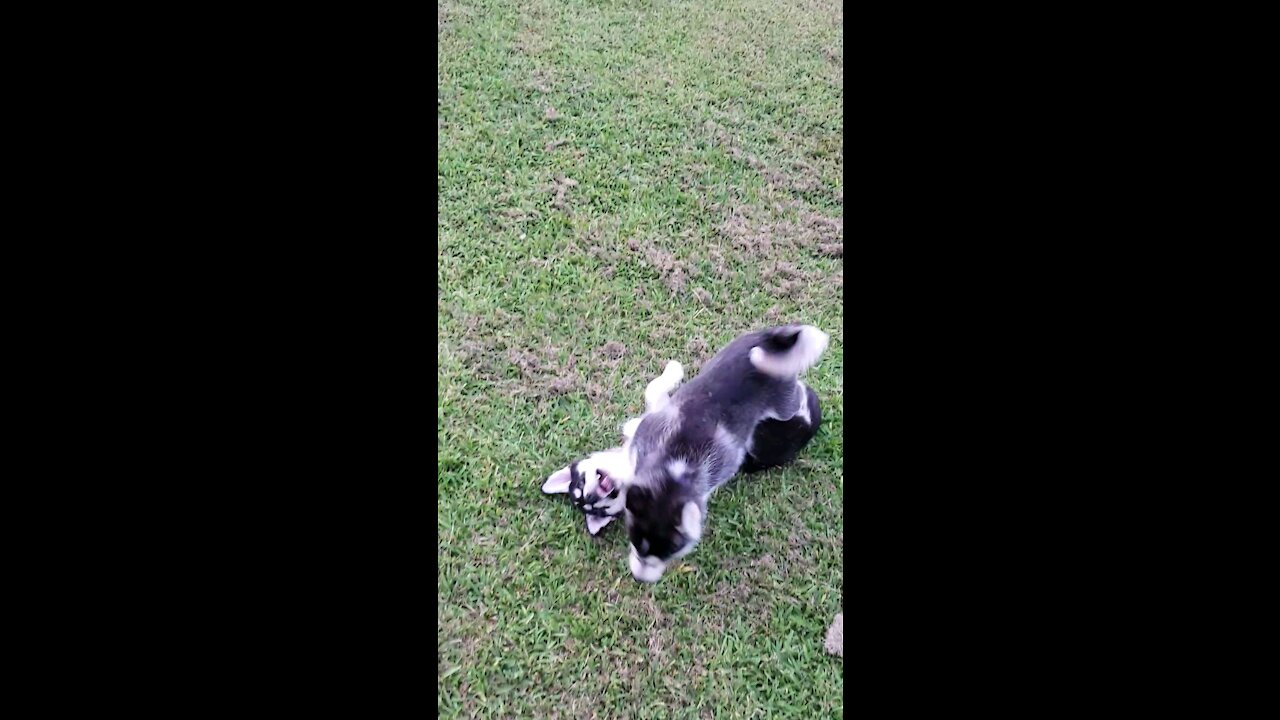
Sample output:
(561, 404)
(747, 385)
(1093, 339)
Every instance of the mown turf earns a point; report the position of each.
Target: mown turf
(623, 183)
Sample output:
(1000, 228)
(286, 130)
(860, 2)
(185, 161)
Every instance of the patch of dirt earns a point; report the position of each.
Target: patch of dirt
(762, 233)
(614, 349)
(551, 146)
(529, 42)
(561, 189)
(699, 351)
(787, 289)
(703, 296)
(551, 114)
(541, 81)
(719, 265)
(560, 386)
(784, 270)
(659, 629)
(487, 348)
(596, 392)
(804, 179)
(671, 270)
(516, 214)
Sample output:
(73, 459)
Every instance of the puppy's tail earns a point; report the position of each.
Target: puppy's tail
(787, 351)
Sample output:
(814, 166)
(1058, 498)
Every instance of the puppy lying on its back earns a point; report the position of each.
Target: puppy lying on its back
(707, 431)
(596, 483)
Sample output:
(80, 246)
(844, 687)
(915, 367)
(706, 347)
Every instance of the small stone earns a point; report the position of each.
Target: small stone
(834, 642)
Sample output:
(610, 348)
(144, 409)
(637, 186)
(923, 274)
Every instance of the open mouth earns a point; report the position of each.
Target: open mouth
(605, 486)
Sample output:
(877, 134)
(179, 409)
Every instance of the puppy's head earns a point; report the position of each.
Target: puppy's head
(664, 523)
(591, 489)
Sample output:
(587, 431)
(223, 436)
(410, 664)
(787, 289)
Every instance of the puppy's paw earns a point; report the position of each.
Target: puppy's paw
(674, 371)
(629, 428)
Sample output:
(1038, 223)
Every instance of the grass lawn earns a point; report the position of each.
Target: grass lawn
(622, 183)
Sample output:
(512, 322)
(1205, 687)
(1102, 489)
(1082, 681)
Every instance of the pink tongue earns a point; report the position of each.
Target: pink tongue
(606, 487)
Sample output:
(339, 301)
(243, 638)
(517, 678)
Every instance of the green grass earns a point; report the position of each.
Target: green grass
(705, 141)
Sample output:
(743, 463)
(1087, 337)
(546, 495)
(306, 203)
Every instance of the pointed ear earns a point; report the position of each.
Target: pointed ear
(558, 482)
(691, 521)
(596, 523)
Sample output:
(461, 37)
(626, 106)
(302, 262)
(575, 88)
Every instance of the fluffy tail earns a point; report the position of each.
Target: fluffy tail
(786, 352)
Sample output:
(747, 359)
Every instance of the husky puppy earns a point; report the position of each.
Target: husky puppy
(698, 440)
(596, 483)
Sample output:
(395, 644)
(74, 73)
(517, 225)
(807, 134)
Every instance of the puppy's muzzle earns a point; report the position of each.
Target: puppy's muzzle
(646, 570)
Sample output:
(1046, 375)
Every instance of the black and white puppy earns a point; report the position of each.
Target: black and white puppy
(596, 484)
(706, 433)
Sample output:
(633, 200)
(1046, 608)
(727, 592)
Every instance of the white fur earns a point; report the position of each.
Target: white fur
(691, 523)
(648, 570)
(802, 356)
(803, 412)
(658, 393)
(613, 461)
(657, 399)
(728, 448)
(629, 428)
(595, 524)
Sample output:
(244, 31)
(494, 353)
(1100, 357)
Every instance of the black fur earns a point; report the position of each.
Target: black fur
(655, 515)
(652, 521)
(710, 430)
(776, 442)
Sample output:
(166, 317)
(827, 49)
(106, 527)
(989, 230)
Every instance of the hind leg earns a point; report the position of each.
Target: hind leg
(777, 442)
(656, 396)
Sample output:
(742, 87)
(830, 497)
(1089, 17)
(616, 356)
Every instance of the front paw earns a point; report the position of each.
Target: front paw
(629, 428)
(674, 371)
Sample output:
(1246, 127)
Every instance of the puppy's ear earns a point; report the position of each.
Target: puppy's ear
(691, 521)
(596, 523)
(558, 482)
